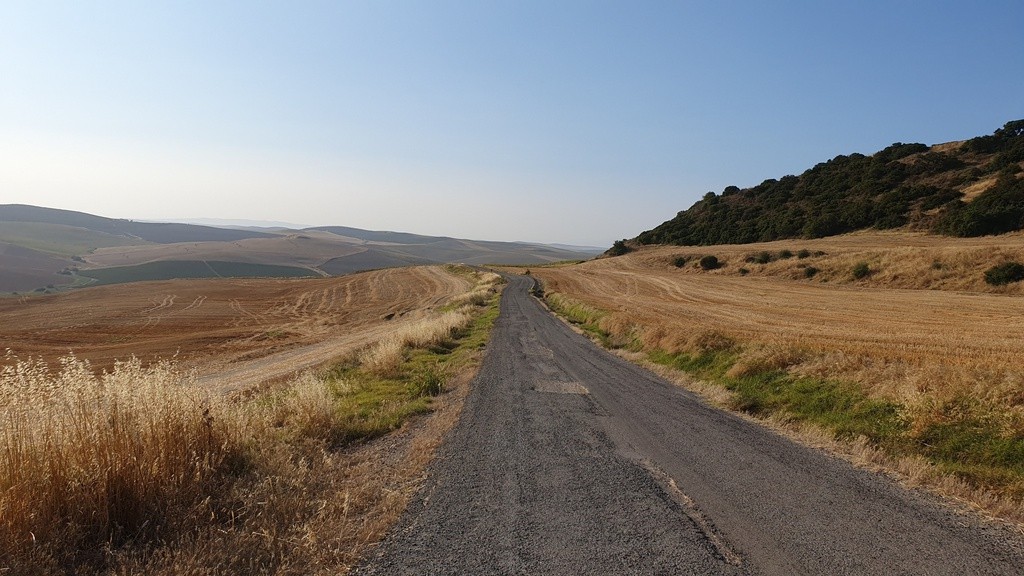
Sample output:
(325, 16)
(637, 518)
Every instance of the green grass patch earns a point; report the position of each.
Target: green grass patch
(179, 269)
(370, 405)
(962, 437)
(586, 318)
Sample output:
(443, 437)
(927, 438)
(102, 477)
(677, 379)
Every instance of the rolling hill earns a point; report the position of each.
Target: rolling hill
(970, 188)
(45, 249)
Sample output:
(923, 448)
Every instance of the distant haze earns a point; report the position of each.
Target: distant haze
(236, 222)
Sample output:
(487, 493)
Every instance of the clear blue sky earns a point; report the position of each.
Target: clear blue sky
(579, 122)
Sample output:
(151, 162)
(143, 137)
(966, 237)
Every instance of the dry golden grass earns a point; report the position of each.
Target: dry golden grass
(952, 361)
(89, 460)
(908, 260)
(384, 357)
(900, 343)
(139, 470)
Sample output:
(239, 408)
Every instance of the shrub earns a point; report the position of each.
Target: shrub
(936, 265)
(744, 271)
(861, 270)
(619, 248)
(1005, 273)
(763, 257)
(710, 263)
(679, 261)
(785, 254)
(805, 253)
(810, 271)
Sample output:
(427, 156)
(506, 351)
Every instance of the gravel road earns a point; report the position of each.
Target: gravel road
(568, 460)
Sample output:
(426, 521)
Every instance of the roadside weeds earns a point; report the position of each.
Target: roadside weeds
(283, 481)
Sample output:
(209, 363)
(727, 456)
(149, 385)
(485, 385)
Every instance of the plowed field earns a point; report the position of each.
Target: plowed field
(235, 332)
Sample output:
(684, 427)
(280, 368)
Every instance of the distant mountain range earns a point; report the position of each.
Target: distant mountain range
(969, 188)
(46, 249)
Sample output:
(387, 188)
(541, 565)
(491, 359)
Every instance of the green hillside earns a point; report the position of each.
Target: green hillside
(914, 185)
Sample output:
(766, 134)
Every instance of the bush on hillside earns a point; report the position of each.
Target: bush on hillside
(619, 248)
(861, 271)
(1005, 274)
(710, 263)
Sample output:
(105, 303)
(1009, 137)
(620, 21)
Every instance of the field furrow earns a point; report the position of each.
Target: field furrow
(273, 324)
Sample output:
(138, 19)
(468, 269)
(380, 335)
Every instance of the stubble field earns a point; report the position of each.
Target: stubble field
(919, 358)
(878, 320)
(234, 331)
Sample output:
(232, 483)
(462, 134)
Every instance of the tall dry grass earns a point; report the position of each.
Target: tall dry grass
(137, 470)
(88, 461)
(385, 357)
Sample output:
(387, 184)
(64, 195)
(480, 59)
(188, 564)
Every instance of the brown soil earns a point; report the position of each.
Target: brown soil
(234, 331)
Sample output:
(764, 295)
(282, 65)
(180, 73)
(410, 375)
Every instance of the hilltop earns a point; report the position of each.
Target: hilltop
(969, 188)
(45, 249)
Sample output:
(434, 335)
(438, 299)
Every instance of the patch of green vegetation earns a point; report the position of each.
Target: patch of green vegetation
(168, 270)
(861, 270)
(370, 405)
(710, 263)
(579, 314)
(1005, 274)
(964, 437)
(247, 270)
(891, 188)
(619, 248)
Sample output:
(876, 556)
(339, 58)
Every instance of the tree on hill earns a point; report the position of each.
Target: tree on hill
(903, 184)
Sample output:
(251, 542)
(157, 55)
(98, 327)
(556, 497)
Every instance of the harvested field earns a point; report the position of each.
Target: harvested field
(926, 383)
(899, 341)
(895, 260)
(234, 331)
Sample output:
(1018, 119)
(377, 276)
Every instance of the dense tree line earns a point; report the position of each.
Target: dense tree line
(900, 185)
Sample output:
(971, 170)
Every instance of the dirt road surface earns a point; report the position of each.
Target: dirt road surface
(568, 460)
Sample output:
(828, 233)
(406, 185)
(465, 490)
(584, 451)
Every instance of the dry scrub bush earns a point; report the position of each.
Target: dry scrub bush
(87, 460)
